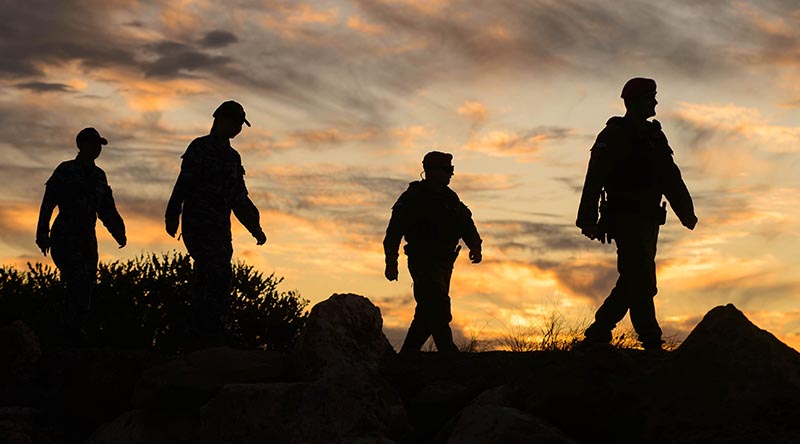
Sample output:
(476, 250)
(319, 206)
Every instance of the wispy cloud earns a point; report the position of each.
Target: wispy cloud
(475, 111)
(524, 145)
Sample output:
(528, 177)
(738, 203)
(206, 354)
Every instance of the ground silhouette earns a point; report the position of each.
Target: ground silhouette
(729, 382)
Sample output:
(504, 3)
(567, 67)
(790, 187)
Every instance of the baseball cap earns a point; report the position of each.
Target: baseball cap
(89, 135)
(231, 110)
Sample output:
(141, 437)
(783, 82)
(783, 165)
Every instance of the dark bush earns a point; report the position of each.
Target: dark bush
(142, 302)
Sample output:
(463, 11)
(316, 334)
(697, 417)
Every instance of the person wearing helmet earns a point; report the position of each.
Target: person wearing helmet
(432, 219)
(209, 187)
(80, 190)
(630, 169)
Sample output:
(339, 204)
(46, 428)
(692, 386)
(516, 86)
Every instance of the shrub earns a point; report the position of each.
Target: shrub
(142, 302)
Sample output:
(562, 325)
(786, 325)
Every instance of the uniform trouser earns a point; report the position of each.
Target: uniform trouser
(432, 316)
(211, 290)
(76, 260)
(636, 285)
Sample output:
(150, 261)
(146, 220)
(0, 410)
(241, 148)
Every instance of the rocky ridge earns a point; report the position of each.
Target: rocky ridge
(729, 382)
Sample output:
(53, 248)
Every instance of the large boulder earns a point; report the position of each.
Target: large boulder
(307, 412)
(343, 335)
(731, 380)
(20, 425)
(83, 388)
(193, 379)
(342, 398)
(20, 352)
(491, 419)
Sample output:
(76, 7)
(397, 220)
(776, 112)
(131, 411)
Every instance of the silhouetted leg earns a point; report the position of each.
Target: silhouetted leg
(644, 287)
(417, 334)
(609, 314)
(76, 260)
(211, 294)
(431, 291)
(635, 289)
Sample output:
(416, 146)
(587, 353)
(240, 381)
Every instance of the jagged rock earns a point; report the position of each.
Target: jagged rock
(308, 412)
(729, 380)
(20, 352)
(18, 425)
(344, 399)
(343, 335)
(193, 379)
(491, 419)
(83, 388)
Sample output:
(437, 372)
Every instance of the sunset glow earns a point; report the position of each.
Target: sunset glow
(345, 98)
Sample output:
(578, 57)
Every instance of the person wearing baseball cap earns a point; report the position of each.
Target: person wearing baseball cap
(433, 220)
(630, 170)
(233, 111)
(80, 190)
(209, 187)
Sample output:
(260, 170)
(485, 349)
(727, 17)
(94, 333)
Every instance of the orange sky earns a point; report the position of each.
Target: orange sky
(345, 98)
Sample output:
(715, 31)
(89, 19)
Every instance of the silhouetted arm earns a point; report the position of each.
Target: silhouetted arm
(596, 174)
(469, 232)
(394, 233)
(49, 202)
(244, 209)
(678, 196)
(190, 171)
(398, 225)
(108, 214)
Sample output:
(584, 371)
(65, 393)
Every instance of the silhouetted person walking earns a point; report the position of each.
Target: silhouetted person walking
(210, 186)
(80, 190)
(433, 219)
(631, 163)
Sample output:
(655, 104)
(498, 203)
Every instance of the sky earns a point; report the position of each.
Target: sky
(345, 98)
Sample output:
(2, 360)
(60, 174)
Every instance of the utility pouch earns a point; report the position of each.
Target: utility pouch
(455, 253)
(603, 222)
(662, 214)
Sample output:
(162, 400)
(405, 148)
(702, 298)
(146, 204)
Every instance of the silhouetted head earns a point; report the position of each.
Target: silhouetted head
(639, 95)
(90, 143)
(228, 119)
(438, 167)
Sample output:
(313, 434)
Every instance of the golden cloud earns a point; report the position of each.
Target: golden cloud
(294, 22)
(355, 22)
(506, 143)
(737, 123)
(410, 136)
(474, 111)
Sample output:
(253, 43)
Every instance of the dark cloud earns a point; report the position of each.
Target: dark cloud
(44, 33)
(337, 74)
(218, 39)
(592, 281)
(39, 32)
(44, 87)
(536, 237)
(683, 37)
(574, 184)
(174, 59)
